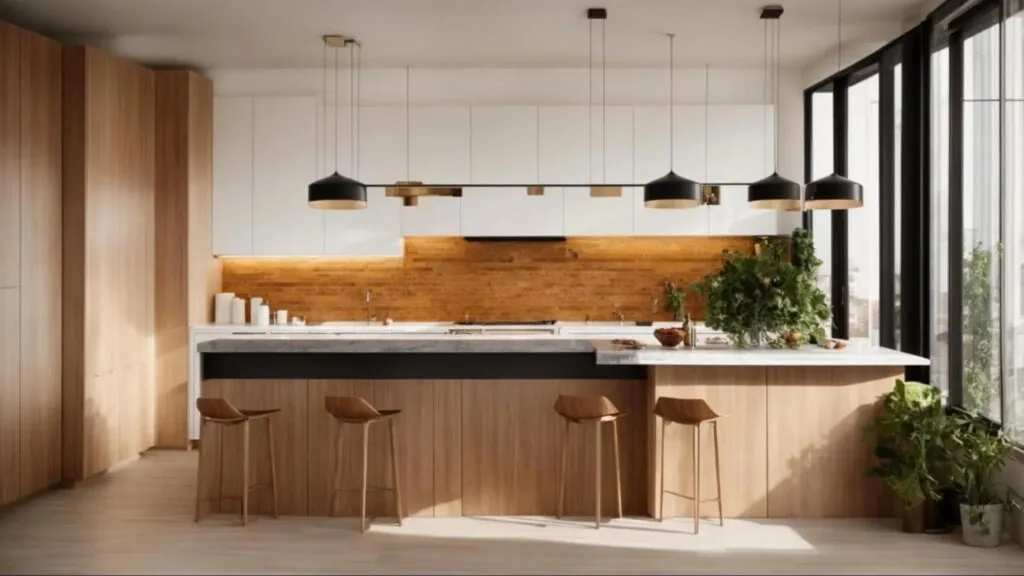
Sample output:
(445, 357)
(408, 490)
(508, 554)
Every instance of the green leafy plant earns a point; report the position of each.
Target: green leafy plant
(912, 439)
(767, 297)
(979, 349)
(979, 454)
(675, 300)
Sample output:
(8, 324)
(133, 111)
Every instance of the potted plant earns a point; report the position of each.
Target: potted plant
(765, 297)
(912, 438)
(675, 299)
(978, 458)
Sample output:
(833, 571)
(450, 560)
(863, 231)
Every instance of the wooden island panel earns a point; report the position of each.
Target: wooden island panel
(818, 453)
(511, 448)
(290, 445)
(739, 394)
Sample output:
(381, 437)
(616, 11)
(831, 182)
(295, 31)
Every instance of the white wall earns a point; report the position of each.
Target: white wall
(542, 87)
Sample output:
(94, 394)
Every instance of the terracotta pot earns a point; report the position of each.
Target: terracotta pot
(913, 520)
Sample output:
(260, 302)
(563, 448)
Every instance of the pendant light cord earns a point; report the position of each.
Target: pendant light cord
(707, 105)
(839, 26)
(407, 129)
(590, 102)
(671, 102)
(337, 121)
(352, 105)
(359, 106)
(764, 92)
(604, 108)
(324, 119)
(775, 103)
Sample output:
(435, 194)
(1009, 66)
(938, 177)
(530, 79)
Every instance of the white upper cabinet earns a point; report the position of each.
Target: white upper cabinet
(739, 147)
(565, 131)
(505, 151)
(284, 163)
(741, 151)
(232, 176)
(380, 159)
(438, 154)
(651, 158)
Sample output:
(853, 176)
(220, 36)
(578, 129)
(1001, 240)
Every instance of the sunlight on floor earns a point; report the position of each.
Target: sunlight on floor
(640, 533)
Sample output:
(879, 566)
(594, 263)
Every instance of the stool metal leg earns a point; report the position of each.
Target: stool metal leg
(336, 484)
(394, 471)
(273, 469)
(597, 474)
(245, 472)
(561, 475)
(718, 476)
(696, 479)
(366, 450)
(199, 469)
(618, 471)
(661, 493)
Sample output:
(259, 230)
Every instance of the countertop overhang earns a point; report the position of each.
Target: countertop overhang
(604, 351)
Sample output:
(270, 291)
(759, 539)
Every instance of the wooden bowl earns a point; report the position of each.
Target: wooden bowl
(670, 337)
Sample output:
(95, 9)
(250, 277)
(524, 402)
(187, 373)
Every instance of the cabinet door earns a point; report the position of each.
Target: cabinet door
(612, 161)
(504, 144)
(739, 147)
(510, 212)
(232, 175)
(438, 154)
(284, 163)
(651, 157)
(380, 157)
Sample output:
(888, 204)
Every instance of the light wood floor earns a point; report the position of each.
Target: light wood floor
(138, 521)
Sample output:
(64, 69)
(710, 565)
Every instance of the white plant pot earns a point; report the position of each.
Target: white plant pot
(988, 531)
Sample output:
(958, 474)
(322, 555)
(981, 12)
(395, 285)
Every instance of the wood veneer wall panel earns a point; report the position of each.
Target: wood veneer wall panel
(511, 447)
(10, 154)
(41, 237)
(818, 455)
(414, 435)
(221, 447)
(740, 394)
(10, 415)
(188, 274)
(449, 278)
(448, 448)
(108, 220)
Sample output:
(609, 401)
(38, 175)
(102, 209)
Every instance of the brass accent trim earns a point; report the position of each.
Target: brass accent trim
(783, 205)
(842, 204)
(410, 201)
(534, 190)
(672, 204)
(406, 189)
(338, 204)
(605, 191)
(710, 195)
(338, 40)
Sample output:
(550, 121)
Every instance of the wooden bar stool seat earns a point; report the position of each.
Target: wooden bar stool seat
(693, 412)
(220, 412)
(599, 410)
(354, 410)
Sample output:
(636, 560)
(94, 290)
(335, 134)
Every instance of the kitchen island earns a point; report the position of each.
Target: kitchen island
(478, 435)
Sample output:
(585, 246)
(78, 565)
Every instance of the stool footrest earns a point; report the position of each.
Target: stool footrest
(368, 489)
(688, 497)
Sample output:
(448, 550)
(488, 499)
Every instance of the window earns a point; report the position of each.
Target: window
(939, 257)
(864, 266)
(822, 161)
(1013, 222)
(982, 248)
(897, 135)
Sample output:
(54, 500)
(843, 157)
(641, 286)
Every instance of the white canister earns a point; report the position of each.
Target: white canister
(254, 308)
(238, 311)
(281, 318)
(263, 315)
(222, 307)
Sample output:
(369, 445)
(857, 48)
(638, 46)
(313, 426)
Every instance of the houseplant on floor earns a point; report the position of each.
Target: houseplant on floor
(912, 438)
(978, 459)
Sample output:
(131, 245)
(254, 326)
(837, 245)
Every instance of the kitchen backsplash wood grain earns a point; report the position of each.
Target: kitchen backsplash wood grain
(451, 279)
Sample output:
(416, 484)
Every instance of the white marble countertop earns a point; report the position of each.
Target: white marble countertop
(297, 341)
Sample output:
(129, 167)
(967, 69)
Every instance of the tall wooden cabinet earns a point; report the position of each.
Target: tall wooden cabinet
(109, 334)
(30, 263)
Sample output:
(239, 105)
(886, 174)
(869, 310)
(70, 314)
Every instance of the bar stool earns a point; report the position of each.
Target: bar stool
(353, 410)
(218, 411)
(596, 409)
(690, 412)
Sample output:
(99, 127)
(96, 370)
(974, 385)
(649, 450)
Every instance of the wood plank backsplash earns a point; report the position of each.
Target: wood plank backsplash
(448, 279)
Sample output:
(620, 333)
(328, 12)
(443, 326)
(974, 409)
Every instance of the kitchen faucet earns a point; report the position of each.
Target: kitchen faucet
(368, 300)
(621, 316)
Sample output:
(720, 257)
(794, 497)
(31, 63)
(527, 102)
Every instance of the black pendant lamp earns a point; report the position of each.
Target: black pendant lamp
(834, 192)
(672, 190)
(337, 192)
(774, 192)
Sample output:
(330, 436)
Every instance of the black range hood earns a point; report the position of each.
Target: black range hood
(514, 238)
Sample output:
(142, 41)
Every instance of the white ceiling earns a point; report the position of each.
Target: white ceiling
(210, 34)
